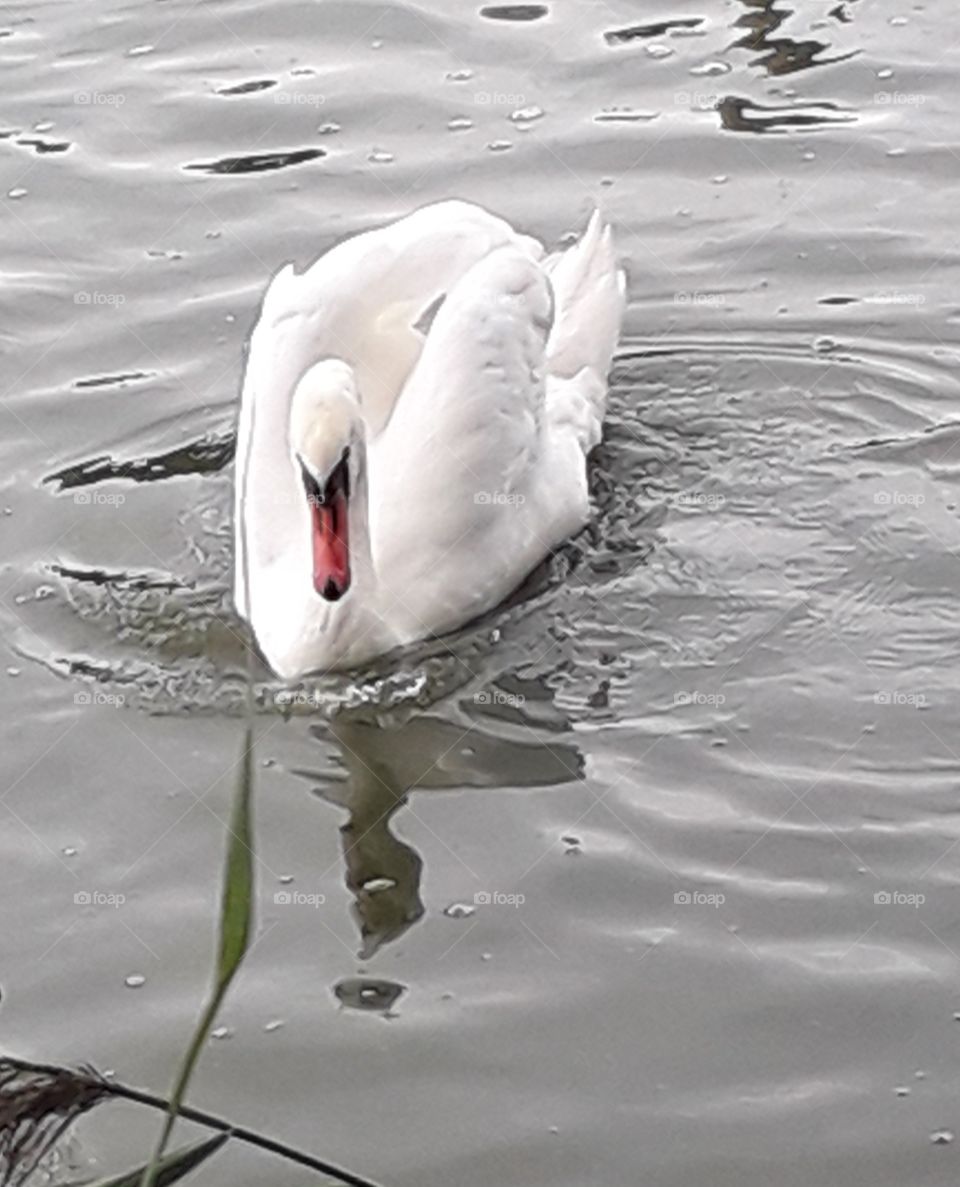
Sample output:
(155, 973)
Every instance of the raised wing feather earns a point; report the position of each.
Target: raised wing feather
(590, 290)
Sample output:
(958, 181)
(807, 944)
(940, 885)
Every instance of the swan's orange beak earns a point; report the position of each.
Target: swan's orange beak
(329, 530)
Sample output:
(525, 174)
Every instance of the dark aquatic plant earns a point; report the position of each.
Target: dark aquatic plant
(37, 1104)
(38, 1101)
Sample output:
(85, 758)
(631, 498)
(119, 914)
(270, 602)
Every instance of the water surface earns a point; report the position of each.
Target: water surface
(702, 779)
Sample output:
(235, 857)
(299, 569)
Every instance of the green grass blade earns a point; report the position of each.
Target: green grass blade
(236, 915)
(236, 910)
(172, 1168)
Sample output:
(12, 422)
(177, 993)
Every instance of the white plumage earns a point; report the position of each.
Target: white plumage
(474, 387)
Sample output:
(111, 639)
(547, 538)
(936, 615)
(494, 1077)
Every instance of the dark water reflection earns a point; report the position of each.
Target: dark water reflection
(743, 115)
(514, 12)
(781, 55)
(259, 162)
(206, 456)
(384, 764)
(656, 29)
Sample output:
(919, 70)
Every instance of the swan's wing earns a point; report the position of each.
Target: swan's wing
(590, 290)
(459, 509)
(472, 483)
(475, 400)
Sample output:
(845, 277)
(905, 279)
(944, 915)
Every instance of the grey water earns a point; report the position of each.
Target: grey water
(649, 877)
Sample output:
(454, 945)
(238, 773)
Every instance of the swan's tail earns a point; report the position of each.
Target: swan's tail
(590, 293)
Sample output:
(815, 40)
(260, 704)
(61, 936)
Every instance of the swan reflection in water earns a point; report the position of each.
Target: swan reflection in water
(783, 55)
(515, 739)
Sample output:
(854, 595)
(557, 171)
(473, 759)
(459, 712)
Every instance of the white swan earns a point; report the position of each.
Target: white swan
(416, 414)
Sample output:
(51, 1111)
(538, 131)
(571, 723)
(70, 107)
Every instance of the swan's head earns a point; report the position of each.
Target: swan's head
(325, 440)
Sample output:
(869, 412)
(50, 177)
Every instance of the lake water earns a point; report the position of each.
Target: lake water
(703, 779)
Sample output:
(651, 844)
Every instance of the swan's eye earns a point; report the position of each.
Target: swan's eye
(338, 482)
